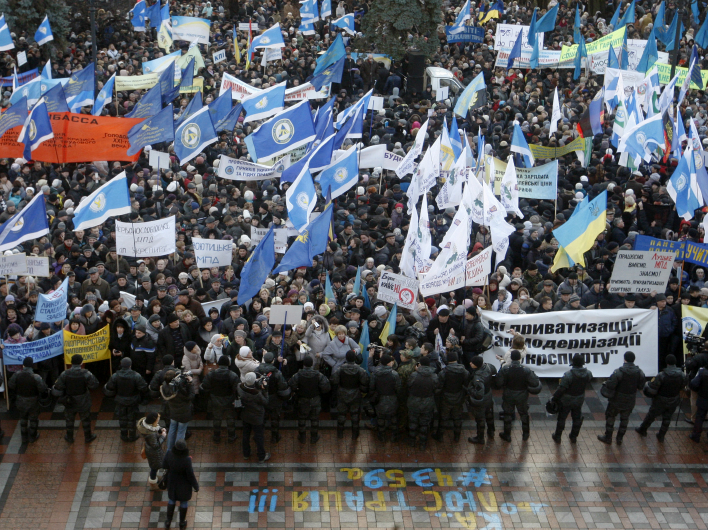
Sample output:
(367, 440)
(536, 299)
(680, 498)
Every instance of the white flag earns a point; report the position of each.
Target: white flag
(408, 163)
(423, 236)
(450, 193)
(407, 264)
(429, 167)
(556, 115)
(510, 189)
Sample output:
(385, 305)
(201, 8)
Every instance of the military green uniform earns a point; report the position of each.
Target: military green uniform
(222, 386)
(277, 390)
(625, 381)
(481, 402)
(571, 396)
(422, 386)
(128, 388)
(452, 381)
(517, 381)
(384, 388)
(665, 391)
(25, 388)
(308, 385)
(72, 387)
(351, 381)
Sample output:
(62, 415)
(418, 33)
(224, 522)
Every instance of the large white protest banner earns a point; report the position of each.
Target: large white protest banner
(397, 289)
(12, 265)
(479, 268)
(38, 266)
(602, 337)
(631, 79)
(376, 156)
(216, 303)
(280, 237)
(141, 240)
(506, 34)
(191, 29)
(635, 48)
(641, 271)
(234, 169)
(212, 252)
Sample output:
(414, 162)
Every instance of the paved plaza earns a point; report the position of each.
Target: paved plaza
(364, 484)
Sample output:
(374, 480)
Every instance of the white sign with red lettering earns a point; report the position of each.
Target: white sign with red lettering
(397, 289)
(641, 271)
(479, 268)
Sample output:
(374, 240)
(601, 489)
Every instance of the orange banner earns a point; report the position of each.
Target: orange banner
(77, 138)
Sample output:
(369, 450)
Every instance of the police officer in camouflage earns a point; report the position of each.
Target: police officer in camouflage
(518, 382)
(422, 387)
(351, 381)
(308, 385)
(128, 388)
(624, 382)
(453, 380)
(25, 387)
(570, 397)
(72, 388)
(480, 393)
(384, 387)
(222, 386)
(277, 390)
(665, 391)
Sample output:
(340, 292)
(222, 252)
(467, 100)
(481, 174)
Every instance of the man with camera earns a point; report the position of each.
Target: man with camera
(277, 390)
(222, 386)
(178, 392)
(308, 385)
(253, 396)
(128, 388)
(350, 381)
(72, 388)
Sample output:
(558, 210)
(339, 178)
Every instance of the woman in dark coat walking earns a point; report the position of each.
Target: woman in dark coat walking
(154, 436)
(180, 482)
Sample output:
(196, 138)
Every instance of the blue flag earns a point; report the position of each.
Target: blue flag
(220, 107)
(257, 268)
(548, 21)
(300, 199)
(52, 307)
(110, 200)
(265, 103)
(702, 35)
(515, 51)
(310, 243)
(322, 155)
(637, 140)
(681, 185)
(650, 54)
(104, 96)
(341, 175)
(695, 11)
(326, 10)
(612, 61)
(29, 223)
(333, 54)
(194, 135)
(270, 38)
(357, 281)
(521, 146)
(37, 129)
(44, 33)
(154, 14)
(535, 53)
(628, 17)
(346, 23)
(455, 140)
(364, 345)
(696, 77)
(139, 14)
(5, 36)
(531, 37)
(230, 120)
(616, 17)
(159, 128)
(291, 173)
(473, 96)
(195, 104)
(167, 84)
(188, 74)
(576, 27)
(659, 18)
(667, 35)
(282, 133)
(55, 99)
(47, 70)
(331, 74)
(624, 53)
(13, 117)
(79, 89)
(308, 11)
(355, 115)
(149, 105)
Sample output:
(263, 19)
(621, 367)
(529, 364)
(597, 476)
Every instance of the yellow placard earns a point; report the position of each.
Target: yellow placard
(665, 75)
(197, 86)
(614, 39)
(92, 347)
(136, 82)
(541, 151)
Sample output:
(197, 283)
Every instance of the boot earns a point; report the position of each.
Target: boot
(380, 436)
(355, 432)
(69, 436)
(490, 432)
(456, 436)
(695, 437)
(660, 435)
(557, 435)
(619, 438)
(124, 435)
(437, 435)
(506, 435)
(314, 437)
(641, 430)
(525, 435)
(153, 484)
(525, 430)
(183, 517)
(479, 440)
(605, 438)
(90, 437)
(170, 514)
(302, 437)
(133, 436)
(573, 436)
(274, 437)
(34, 437)
(216, 437)
(340, 432)
(232, 437)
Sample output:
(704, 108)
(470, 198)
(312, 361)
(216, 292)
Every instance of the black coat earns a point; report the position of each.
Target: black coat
(180, 477)
(166, 344)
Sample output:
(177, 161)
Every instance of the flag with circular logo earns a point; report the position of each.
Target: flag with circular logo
(194, 135)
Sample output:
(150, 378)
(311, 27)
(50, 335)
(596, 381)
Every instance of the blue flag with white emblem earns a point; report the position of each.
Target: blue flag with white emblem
(44, 32)
(149, 105)
(333, 54)
(682, 185)
(346, 23)
(110, 200)
(153, 13)
(5, 36)
(29, 223)
(159, 128)
(104, 96)
(270, 38)
(37, 129)
(310, 243)
(341, 175)
(194, 135)
(282, 133)
(14, 116)
(47, 70)
(79, 89)
(257, 268)
(326, 10)
(139, 13)
(331, 74)
(230, 120)
(264, 104)
(55, 99)
(300, 199)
